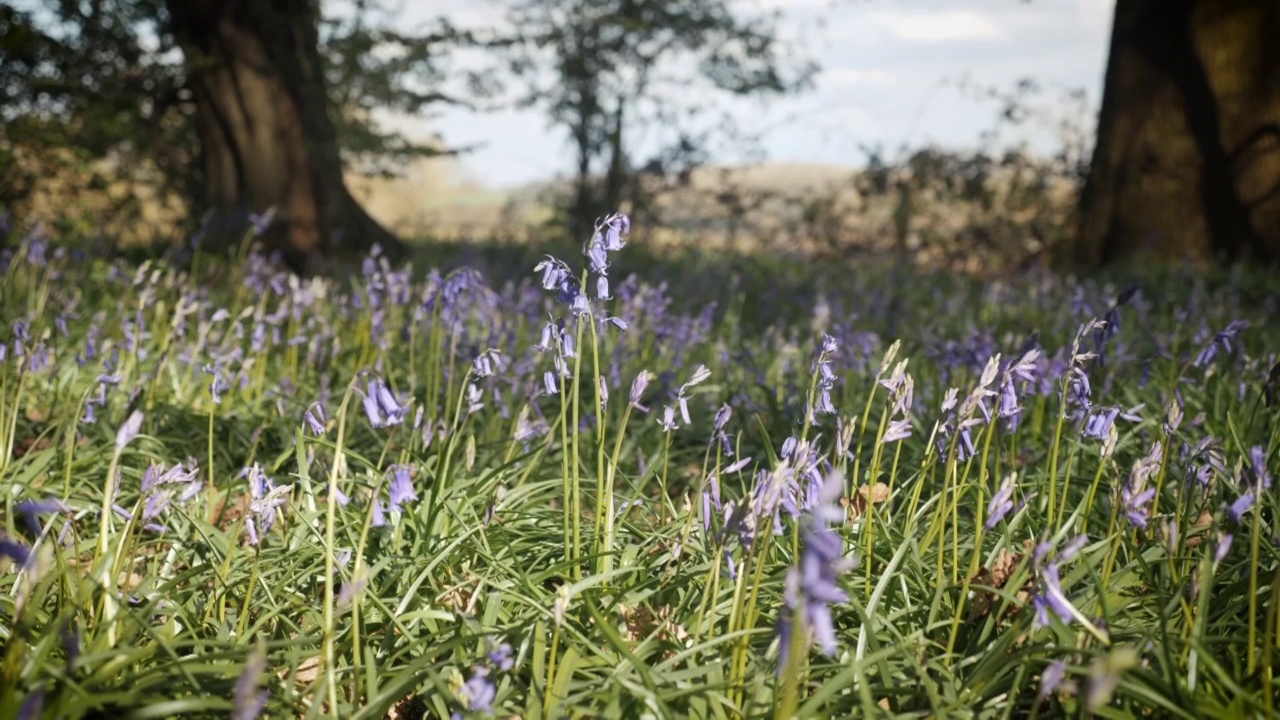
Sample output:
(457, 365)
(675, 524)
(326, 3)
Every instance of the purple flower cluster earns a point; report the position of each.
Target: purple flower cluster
(811, 586)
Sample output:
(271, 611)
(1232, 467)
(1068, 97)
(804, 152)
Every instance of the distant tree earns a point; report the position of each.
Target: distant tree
(1187, 161)
(605, 71)
(243, 105)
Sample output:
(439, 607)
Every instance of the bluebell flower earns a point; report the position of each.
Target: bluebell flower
(266, 499)
(501, 657)
(811, 587)
(400, 489)
(1240, 506)
(668, 419)
(316, 419)
(247, 700)
(1051, 678)
(381, 406)
(479, 691)
(486, 363)
(31, 510)
(897, 430)
(1001, 503)
(129, 430)
(259, 223)
(1222, 548)
(1258, 463)
(638, 386)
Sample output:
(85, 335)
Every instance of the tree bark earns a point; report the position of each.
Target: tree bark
(262, 111)
(1187, 161)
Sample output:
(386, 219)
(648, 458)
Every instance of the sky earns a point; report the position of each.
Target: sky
(893, 73)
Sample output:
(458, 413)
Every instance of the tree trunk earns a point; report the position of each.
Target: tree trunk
(1187, 162)
(262, 111)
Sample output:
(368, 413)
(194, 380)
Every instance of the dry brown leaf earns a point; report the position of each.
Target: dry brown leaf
(408, 708)
(873, 494)
(996, 576)
(307, 672)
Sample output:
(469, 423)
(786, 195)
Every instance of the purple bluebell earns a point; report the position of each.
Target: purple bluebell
(32, 707)
(1222, 548)
(811, 587)
(638, 386)
(265, 500)
(259, 223)
(486, 363)
(668, 419)
(613, 229)
(501, 657)
(381, 406)
(897, 430)
(316, 419)
(1051, 678)
(1099, 422)
(129, 430)
(1258, 464)
(1001, 503)
(14, 550)
(1135, 504)
(31, 510)
(400, 488)
(479, 692)
(247, 700)
(1240, 506)
(1222, 340)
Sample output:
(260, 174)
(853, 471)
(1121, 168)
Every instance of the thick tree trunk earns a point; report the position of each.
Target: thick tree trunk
(1187, 163)
(254, 67)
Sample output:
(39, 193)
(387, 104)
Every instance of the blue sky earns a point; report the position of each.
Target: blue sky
(889, 76)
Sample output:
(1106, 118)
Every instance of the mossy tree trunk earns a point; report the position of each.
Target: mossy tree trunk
(1187, 163)
(262, 111)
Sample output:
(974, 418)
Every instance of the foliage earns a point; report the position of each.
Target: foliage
(235, 487)
(99, 88)
(609, 71)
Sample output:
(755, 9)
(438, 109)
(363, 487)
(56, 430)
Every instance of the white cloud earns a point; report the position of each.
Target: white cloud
(939, 27)
(849, 76)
